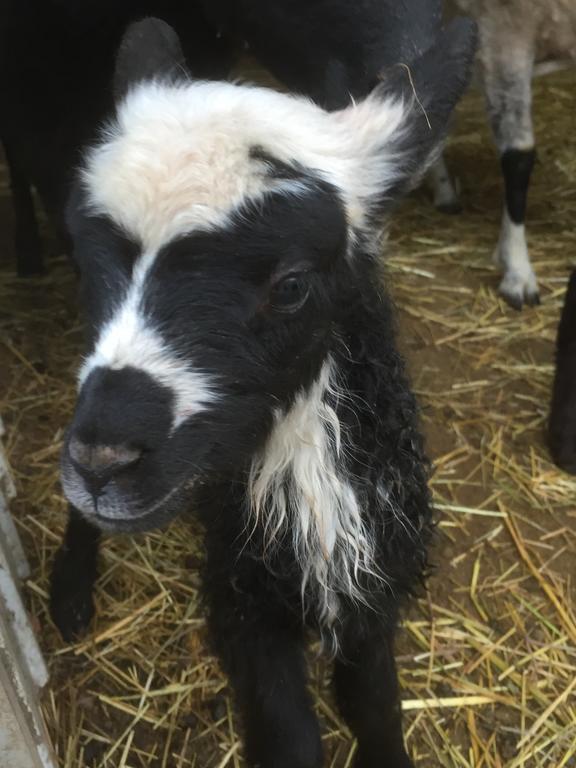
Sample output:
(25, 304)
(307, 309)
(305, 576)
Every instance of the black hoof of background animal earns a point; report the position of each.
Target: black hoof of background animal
(517, 301)
(452, 209)
(513, 300)
(71, 601)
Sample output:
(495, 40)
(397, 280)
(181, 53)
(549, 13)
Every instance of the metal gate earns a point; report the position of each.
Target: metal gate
(23, 739)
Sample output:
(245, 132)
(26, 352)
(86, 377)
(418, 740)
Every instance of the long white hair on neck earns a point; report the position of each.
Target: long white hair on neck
(299, 485)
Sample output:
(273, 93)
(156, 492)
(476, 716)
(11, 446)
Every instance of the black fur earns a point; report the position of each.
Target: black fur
(150, 48)
(56, 69)
(27, 242)
(73, 575)
(517, 165)
(447, 63)
(562, 425)
(330, 50)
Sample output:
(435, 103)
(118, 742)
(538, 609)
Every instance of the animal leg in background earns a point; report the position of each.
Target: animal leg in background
(444, 190)
(26, 236)
(366, 687)
(508, 82)
(73, 577)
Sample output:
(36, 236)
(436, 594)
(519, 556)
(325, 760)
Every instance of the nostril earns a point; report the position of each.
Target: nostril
(101, 460)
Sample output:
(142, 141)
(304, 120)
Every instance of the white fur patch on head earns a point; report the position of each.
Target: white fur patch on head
(299, 486)
(177, 157)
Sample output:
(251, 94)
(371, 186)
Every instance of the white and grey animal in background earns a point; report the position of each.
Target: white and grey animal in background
(517, 38)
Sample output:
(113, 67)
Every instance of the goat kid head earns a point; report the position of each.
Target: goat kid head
(220, 231)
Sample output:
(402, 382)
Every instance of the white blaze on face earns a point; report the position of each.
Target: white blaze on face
(129, 340)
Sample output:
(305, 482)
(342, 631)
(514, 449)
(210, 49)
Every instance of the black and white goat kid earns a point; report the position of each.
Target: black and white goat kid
(242, 363)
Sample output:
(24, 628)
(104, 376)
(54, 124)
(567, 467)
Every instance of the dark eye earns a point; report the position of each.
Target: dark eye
(290, 293)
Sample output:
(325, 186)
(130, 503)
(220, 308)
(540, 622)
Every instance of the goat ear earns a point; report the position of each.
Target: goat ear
(150, 49)
(404, 120)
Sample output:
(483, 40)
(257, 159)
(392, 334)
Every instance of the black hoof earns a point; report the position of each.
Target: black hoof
(71, 601)
(513, 300)
(517, 301)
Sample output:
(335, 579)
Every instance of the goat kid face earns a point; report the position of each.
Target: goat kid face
(215, 228)
(195, 346)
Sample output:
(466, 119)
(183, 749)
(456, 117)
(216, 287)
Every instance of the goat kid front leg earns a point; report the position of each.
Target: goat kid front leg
(366, 686)
(261, 651)
(508, 70)
(73, 576)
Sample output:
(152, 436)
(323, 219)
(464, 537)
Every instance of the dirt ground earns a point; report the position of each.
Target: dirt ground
(488, 658)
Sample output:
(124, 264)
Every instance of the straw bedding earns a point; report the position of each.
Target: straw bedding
(488, 658)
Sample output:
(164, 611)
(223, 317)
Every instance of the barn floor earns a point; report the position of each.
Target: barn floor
(488, 658)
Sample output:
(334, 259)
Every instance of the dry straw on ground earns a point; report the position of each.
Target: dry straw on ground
(488, 658)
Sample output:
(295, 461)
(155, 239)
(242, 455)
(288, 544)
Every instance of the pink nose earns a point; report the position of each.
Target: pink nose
(101, 460)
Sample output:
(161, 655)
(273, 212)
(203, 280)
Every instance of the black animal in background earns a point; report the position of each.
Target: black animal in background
(562, 425)
(57, 59)
(329, 50)
(56, 66)
(241, 362)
